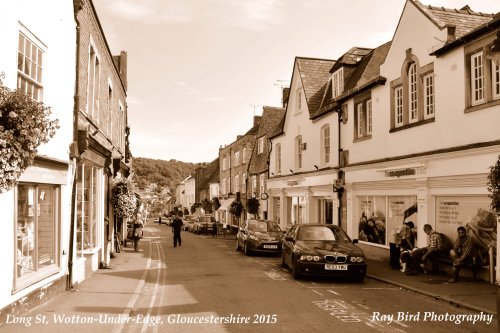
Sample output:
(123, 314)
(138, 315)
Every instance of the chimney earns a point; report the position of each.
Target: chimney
(284, 96)
(256, 120)
(123, 68)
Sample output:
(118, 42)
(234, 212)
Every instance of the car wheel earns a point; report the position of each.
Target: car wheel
(237, 245)
(245, 249)
(295, 269)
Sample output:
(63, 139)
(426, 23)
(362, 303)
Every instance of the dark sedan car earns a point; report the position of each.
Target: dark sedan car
(322, 250)
(259, 236)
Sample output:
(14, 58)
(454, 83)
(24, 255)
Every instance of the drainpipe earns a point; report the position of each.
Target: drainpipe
(340, 172)
(69, 284)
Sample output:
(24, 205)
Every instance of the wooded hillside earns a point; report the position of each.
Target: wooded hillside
(164, 173)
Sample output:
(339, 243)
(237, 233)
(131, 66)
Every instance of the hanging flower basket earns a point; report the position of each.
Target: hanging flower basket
(125, 202)
(236, 208)
(253, 205)
(494, 186)
(216, 203)
(24, 125)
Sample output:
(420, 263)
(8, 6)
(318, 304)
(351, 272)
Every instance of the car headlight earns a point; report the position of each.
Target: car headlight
(308, 257)
(357, 259)
(252, 237)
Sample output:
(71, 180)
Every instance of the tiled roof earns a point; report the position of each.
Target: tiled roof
(314, 74)
(351, 57)
(464, 19)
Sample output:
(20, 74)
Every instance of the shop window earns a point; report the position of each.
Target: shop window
(87, 208)
(38, 212)
(30, 55)
(378, 215)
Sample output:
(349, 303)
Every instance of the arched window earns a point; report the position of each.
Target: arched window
(412, 93)
(298, 152)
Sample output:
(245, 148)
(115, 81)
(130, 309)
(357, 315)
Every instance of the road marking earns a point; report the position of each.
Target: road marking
(317, 292)
(334, 292)
(275, 275)
(373, 288)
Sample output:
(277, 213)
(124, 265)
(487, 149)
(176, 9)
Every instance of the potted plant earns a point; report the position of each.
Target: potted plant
(253, 205)
(24, 125)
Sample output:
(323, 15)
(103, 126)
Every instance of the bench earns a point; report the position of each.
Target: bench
(475, 266)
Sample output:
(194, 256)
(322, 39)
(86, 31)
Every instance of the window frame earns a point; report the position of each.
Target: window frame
(398, 104)
(298, 152)
(30, 70)
(337, 82)
(277, 167)
(325, 144)
(412, 93)
(362, 108)
(260, 145)
(429, 95)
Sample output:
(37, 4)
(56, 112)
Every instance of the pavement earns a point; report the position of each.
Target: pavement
(115, 290)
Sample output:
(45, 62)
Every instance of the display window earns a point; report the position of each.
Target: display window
(86, 208)
(38, 211)
(378, 215)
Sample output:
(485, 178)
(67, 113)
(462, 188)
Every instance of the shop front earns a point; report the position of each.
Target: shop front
(445, 191)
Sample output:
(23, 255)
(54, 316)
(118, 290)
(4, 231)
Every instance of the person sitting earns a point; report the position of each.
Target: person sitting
(462, 253)
(435, 248)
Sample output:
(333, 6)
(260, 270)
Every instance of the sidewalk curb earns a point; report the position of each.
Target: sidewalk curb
(435, 296)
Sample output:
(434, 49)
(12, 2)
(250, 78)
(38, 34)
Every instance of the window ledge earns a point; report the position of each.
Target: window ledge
(364, 138)
(482, 106)
(419, 123)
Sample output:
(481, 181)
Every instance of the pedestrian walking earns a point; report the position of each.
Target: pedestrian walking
(159, 220)
(138, 233)
(214, 228)
(176, 230)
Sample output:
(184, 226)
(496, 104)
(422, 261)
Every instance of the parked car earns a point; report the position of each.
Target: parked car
(188, 222)
(323, 250)
(259, 236)
(204, 224)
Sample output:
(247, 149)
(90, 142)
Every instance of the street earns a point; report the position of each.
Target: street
(205, 285)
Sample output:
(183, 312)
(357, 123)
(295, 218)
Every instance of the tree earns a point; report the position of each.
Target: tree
(494, 186)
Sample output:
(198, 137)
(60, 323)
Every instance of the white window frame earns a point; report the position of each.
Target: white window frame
(236, 158)
(325, 144)
(224, 164)
(412, 93)
(260, 145)
(261, 184)
(477, 78)
(298, 101)
(369, 118)
(278, 159)
(429, 103)
(398, 106)
(338, 82)
(237, 183)
(298, 152)
(93, 84)
(29, 65)
(359, 125)
(495, 81)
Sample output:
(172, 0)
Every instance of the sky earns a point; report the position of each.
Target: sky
(199, 70)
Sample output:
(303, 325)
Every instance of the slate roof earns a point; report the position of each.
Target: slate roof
(465, 20)
(271, 118)
(314, 74)
(209, 174)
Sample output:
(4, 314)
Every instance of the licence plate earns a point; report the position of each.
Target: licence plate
(270, 246)
(332, 267)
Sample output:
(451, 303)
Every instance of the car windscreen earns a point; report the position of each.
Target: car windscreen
(262, 226)
(310, 233)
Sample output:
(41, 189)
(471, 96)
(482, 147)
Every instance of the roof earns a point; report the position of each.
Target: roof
(351, 57)
(363, 75)
(209, 174)
(314, 74)
(464, 19)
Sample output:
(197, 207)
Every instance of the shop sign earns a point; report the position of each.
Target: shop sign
(399, 173)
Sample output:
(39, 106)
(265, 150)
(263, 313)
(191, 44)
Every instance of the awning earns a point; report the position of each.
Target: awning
(225, 204)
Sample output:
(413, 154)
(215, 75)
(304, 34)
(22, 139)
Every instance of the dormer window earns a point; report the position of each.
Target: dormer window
(338, 82)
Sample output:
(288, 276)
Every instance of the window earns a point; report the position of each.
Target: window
(224, 164)
(477, 78)
(109, 128)
(223, 184)
(260, 145)
(338, 82)
(412, 95)
(298, 152)
(429, 96)
(236, 158)
(29, 67)
(398, 99)
(262, 184)
(87, 206)
(369, 117)
(278, 159)
(243, 181)
(363, 118)
(254, 184)
(93, 85)
(299, 100)
(237, 183)
(495, 78)
(38, 210)
(325, 141)
(412, 91)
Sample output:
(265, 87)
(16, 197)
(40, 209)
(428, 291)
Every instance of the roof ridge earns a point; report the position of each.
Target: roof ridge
(312, 58)
(464, 10)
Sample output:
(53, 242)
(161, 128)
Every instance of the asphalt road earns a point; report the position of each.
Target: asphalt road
(205, 285)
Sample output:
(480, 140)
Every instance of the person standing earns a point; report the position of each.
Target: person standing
(159, 220)
(462, 253)
(138, 232)
(397, 234)
(176, 230)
